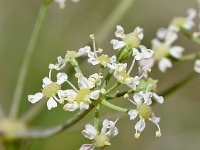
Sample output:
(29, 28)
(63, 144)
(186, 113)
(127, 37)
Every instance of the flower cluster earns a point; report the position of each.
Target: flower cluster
(94, 91)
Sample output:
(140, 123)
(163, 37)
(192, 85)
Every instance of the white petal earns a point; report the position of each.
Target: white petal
(140, 125)
(117, 44)
(155, 119)
(61, 78)
(138, 98)
(109, 128)
(189, 24)
(71, 106)
(164, 64)
(197, 66)
(161, 33)
(191, 13)
(147, 63)
(158, 99)
(51, 103)
(147, 98)
(46, 81)
(133, 114)
(170, 37)
(120, 32)
(147, 53)
(83, 51)
(90, 132)
(35, 98)
(83, 106)
(155, 42)
(176, 51)
(139, 32)
(95, 94)
(61, 3)
(87, 147)
(65, 93)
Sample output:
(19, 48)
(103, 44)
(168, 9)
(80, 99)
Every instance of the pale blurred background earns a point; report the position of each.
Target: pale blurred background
(69, 29)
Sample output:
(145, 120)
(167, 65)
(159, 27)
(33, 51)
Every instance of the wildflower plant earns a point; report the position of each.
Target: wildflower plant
(129, 67)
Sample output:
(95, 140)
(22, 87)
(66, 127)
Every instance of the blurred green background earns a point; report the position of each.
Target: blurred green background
(68, 29)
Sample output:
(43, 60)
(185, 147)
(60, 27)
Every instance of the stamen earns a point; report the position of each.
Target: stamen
(131, 67)
(94, 45)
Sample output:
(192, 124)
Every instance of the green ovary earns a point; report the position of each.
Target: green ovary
(178, 21)
(161, 51)
(104, 60)
(82, 94)
(132, 40)
(124, 75)
(101, 140)
(51, 89)
(144, 111)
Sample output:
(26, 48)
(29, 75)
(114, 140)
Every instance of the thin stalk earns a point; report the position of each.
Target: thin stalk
(114, 107)
(113, 87)
(96, 117)
(190, 57)
(26, 62)
(32, 113)
(178, 85)
(115, 16)
(48, 132)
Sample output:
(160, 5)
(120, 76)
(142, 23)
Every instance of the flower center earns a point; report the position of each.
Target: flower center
(104, 60)
(123, 76)
(161, 51)
(51, 89)
(82, 94)
(133, 40)
(70, 54)
(179, 21)
(101, 140)
(144, 111)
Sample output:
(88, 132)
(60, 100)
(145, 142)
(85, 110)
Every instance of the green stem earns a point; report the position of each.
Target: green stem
(75, 64)
(26, 62)
(96, 118)
(114, 107)
(107, 78)
(179, 84)
(117, 95)
(190, 57)
(113, 87)
(190, 36)
(33, 111)
(48, 132)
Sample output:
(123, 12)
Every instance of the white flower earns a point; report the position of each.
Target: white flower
(100, 139)
(80, 98)
(165, 49)
(144, 54)
(143, 101)
(49, 91)
(83, 51)
(132, 39)
(59, 65)
(183, 22)
(197, 66)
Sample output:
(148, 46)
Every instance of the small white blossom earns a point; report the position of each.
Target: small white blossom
(59, 65)
(183, 22)
(143, 100)
(81, 98)
(133, 39)
(163, 49)
(100, 139)
(49, 91)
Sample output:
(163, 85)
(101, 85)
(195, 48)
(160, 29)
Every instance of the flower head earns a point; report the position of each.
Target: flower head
(49, 91)
(143, 100)
(131, 40)
(183, 22)
(101, 139)
(163, 48)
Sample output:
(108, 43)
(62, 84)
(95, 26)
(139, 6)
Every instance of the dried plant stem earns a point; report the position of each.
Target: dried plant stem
(26, 61)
